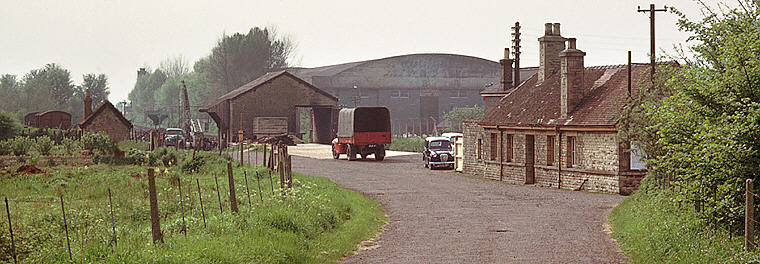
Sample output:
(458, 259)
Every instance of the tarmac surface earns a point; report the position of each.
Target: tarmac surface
(439, 216)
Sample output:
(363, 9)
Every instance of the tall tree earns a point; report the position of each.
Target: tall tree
(10, 89)
(47, 88)
(240, 58)
(98, 86)
(174, 66)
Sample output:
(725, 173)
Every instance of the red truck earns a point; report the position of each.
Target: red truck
(362, 131)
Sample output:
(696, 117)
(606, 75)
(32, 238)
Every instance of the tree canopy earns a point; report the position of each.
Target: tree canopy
(700, 123)
(235, 60)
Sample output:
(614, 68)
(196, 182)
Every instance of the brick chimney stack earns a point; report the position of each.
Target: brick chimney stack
(87, 104)
(550, 45)
(572, 70)
(506, 71)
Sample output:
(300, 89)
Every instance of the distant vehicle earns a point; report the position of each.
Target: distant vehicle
(438, 152)
(362, 131)
(173, 136)
(452, 136)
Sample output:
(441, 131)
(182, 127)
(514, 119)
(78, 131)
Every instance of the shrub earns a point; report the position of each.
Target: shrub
(167, 156)
(20, 145)
(70, 145)
(44, 145)
(5, 147)
(98, 141)
(9, 127)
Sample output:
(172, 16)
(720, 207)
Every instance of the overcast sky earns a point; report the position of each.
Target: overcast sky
(118, 37)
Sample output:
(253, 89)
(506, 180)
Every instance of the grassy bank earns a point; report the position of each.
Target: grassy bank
(318, 222)
(412, 144)
(652, 228)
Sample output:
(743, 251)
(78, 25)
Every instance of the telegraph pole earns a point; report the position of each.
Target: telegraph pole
(651, 11)
(516, 52)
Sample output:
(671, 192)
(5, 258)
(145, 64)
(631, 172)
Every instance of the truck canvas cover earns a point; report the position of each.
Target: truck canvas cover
(363, 119)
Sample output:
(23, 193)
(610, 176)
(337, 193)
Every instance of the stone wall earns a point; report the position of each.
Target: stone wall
(596, 167)
(108, 122)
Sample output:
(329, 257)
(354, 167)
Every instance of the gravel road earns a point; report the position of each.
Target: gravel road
(443, 217)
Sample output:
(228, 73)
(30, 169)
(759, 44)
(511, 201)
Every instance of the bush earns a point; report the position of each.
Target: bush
(70, 145)
(21, 145)
(5, 147)
(167, 156)
(98, 141)
(44, 145)
(9, 127)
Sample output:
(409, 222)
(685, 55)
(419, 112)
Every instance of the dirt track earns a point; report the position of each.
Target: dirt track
(441, 217)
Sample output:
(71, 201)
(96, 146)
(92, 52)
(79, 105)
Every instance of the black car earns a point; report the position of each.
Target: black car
(438, 153)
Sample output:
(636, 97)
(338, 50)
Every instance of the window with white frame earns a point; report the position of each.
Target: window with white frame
(638, 158)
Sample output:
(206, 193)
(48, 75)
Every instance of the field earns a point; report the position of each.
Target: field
(315, 222)
(652, 228)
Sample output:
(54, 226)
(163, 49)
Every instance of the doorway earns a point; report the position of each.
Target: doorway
(530, 176)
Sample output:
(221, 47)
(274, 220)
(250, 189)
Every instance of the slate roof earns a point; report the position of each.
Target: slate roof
(253, 85)
(525, 74)
(102, 107)
(539, 105)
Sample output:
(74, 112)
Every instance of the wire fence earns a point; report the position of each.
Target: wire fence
(170, 205)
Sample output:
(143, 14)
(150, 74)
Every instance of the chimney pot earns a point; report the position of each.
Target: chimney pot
(506, 53)
(548, 29)
(556, 29)
(571, 43)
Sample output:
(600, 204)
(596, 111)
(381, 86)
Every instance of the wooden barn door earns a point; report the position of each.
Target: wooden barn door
(530, 177)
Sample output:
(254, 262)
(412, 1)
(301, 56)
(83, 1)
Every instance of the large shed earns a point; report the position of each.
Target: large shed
(273, 96)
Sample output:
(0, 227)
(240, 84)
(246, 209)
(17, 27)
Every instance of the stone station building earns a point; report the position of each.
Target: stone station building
(558, 128)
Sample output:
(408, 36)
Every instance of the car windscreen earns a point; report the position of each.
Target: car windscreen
(440, 144)
(174, 132)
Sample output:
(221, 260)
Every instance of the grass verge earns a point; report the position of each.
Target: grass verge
(652, 228)
(318, 222)
(412, 144)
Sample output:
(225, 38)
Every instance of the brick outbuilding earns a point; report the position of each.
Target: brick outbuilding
(107, 119)
(559, 128)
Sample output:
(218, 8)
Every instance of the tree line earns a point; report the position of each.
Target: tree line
(50, 88)
(235, 60)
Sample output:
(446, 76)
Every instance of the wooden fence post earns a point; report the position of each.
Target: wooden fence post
(218, 195)
(10, 228)
(290, 172)
(200, 198)
(66, 227)
(113, 223)
(154, 221)
(247, 190)
(749, 217)
(181, 207)
(231, 180)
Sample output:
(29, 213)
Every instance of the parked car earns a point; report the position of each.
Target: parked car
(362, 131)
(173, 136)
(452, 136)
(438, 153)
